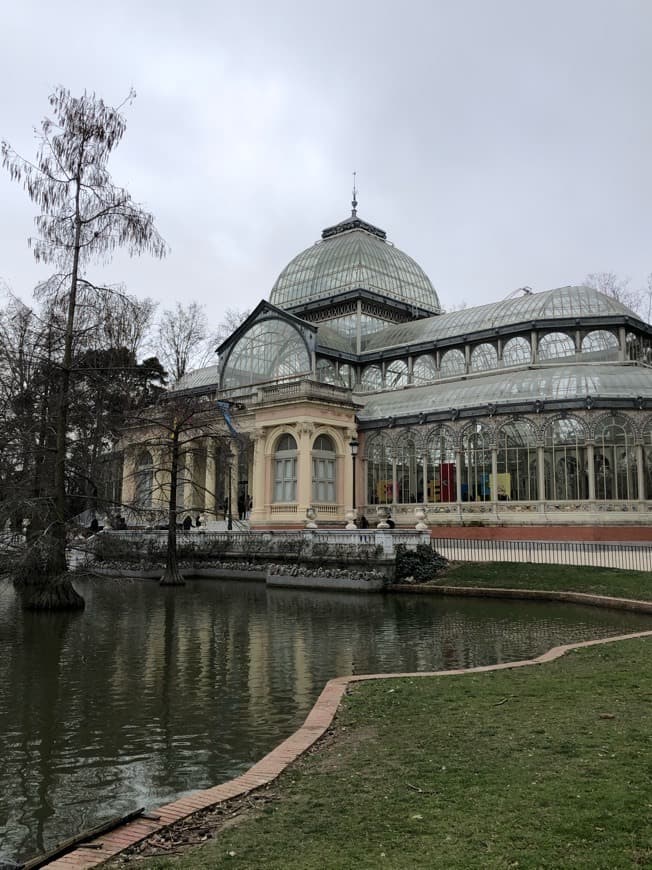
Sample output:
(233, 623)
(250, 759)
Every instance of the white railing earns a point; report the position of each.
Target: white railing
(632, 557)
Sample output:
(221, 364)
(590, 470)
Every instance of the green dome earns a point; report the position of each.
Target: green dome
(353, 255)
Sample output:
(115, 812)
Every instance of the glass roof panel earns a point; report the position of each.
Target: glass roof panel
(508, 387)
(350, 260)
(563, 302)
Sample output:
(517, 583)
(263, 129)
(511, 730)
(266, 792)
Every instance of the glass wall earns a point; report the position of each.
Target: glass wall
(565, 468)
(517, 462)
(440, 464)
(409, 471)
(379, 471)
(484, 357)
(396, 374)
(476, 464)
(424, 370)
(269, 349)
(647, 458)
(452, 363)
(615, 459)
(517, 351)
(555, 345)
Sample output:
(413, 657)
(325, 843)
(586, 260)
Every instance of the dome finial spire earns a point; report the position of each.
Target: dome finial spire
(354, 201)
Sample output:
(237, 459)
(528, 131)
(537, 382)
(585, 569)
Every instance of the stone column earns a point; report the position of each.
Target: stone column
(187, 476)
(640, 472)
(622, 344)
(304, 468)
(590, 461)
(458, 475)
(210, 480)
(494, 475)
(129, 477)
(259, 492)
(541, 474)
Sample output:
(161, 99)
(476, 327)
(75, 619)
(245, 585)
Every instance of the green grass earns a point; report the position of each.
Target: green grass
(559, 578)
(537, 767)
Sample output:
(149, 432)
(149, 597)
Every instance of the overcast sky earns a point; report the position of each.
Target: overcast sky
(500, 143)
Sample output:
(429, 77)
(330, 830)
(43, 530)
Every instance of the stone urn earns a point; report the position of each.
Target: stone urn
(350, 521)
(420, 513)
(311, 516)
(382, 513)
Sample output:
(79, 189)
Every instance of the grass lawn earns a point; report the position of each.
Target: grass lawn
(539, 767)
(558, 578)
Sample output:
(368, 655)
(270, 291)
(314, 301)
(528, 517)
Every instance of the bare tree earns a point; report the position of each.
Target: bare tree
(618, 288)
(181, 337)
(173, 428)
(84, 217)
(183, 341)
(233, 318)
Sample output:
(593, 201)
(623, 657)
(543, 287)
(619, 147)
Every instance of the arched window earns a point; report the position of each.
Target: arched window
(424, 370)
(372, 378)
(517, 351)
(440, 466)
(600, 343)
(347, 375)
(517, 462)
(452, 363)
(326, 372)
(647, 458)
(379, 471)
(614, 459)
(555, 345)
(268, 350)
(285, 469)
(396, 374)
(144, 483)
(484, 357)
(476, 464)
(323, 470)
(565, 460)
(409, 471)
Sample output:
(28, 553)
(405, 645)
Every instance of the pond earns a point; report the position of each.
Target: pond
(151, 693)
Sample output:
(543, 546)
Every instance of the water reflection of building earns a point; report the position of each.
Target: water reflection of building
(533, 408)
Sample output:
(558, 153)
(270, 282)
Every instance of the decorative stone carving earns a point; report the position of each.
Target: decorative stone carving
(311, 516)
(421, 514)
(350, 521)
(382, 513)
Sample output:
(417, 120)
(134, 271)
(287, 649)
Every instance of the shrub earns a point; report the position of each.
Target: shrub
(418, 565)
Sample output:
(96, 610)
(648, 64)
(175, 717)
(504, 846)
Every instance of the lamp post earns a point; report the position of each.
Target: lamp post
(229, 522)
(354, 444)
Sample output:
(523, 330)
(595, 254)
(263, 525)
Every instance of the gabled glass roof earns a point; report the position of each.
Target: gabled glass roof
(552, 383)
(562, 302)
(351, 255)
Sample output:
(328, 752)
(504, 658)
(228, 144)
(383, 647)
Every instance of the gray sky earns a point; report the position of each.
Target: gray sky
(500, 143)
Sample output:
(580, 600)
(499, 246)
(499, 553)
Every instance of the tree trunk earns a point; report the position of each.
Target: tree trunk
(50, 588)
(54, 592)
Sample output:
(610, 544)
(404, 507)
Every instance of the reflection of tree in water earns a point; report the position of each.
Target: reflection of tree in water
(39, 649)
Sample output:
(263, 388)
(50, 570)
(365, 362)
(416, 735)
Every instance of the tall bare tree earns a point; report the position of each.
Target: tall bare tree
(181, 337)
(618, 288)
(84, 217)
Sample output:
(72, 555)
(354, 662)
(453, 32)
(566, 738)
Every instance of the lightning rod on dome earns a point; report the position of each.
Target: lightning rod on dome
(354, 201)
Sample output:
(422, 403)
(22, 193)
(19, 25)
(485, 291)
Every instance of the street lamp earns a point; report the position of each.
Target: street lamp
(229, 463)
(354, 444)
